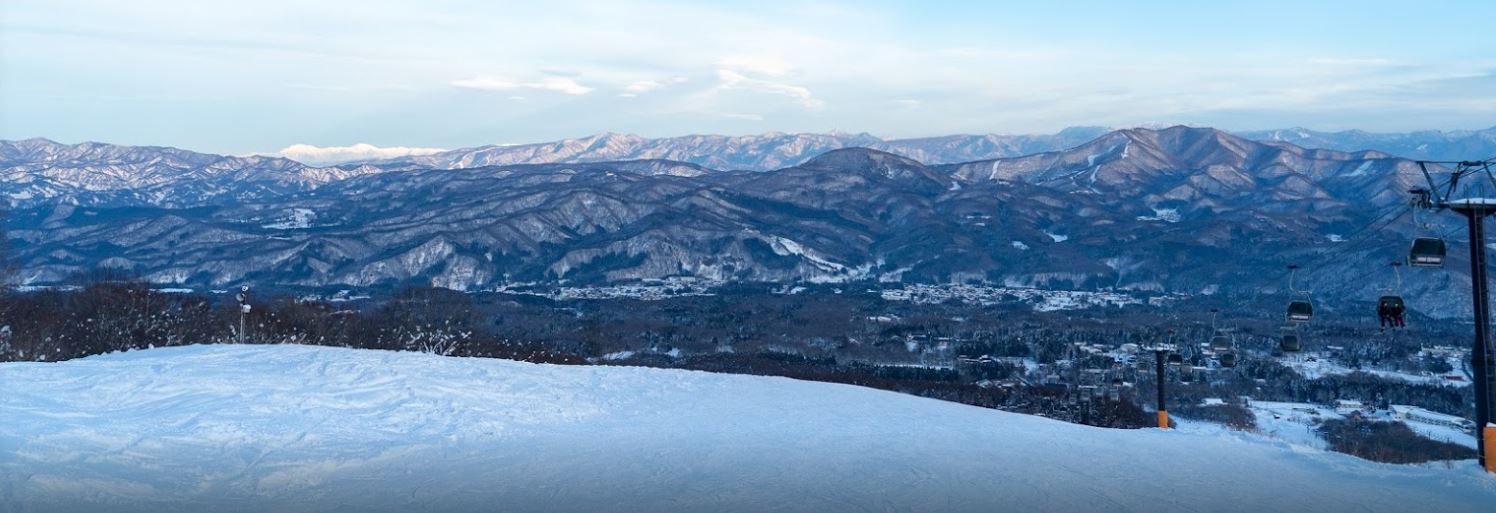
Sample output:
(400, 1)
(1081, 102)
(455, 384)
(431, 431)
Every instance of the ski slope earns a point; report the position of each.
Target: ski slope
(295, 428)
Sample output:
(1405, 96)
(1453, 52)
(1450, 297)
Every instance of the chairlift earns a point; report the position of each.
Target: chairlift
(1395, 303)
(1218, 340)
(1175, 359)
(1391, 303)
(1291, 343)
(1427, 252)
(1299, 310)
(1187, 375)
(1391, 309)
(1227, 359)
(1220, 343)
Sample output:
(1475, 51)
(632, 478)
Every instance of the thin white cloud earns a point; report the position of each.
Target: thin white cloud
(848, 62)
(327, 155)
(638, 87)
(763, 65)
(552, 83)
(729, 80)
(743, 115)
(1354, 62)
(642, 86)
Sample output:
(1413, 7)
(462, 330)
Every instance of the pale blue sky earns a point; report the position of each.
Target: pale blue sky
(239, 77)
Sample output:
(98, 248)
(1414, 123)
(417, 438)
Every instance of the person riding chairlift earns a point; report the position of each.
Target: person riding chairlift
(1390, 314)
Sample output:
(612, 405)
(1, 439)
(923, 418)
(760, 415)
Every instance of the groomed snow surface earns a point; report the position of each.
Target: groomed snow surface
(294, 428)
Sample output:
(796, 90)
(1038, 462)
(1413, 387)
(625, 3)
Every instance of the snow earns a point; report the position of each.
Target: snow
(1435, 425)
(1436, 417)
(1442, 433)
(1297, 423)
(618, 355)
(1361, 169)
(1322, 365)
(300, 218)
(786, 247)
(1057, 237)
(1020, 245)
(296, 428)
(1167, 215)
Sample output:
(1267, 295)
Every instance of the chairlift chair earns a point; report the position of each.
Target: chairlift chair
(1291, 343)
(1427, 252)
(1220, 343)
(1228, 359)
(1394, 306)
(1300, 310)
(1392, 299)
(1176, 359)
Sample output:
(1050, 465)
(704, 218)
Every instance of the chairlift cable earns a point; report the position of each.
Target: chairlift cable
(1361, 245)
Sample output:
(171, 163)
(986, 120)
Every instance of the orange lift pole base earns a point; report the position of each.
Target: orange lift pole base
(1163, 423)
(1490, 436)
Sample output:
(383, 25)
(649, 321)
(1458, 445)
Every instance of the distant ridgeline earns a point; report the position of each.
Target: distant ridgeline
(1179, 210)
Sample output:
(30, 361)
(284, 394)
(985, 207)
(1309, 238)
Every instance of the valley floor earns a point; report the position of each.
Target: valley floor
(296, 428)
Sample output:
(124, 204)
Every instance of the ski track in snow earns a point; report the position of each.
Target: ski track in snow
(297, 428)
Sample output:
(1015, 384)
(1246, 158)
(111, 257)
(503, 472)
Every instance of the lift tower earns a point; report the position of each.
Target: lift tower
(1160, 352)
(1159, 375)
(1475, 208)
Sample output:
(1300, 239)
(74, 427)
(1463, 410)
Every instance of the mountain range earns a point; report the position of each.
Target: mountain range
(1454, 145)
(40, 172)
(778, 150)
(751, 152)
(1180, 209)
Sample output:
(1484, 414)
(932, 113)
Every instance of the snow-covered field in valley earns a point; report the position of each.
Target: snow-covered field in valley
(294, 428)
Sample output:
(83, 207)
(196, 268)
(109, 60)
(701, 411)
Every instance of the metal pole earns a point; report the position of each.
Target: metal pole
(1158, 369)
(1480, 356)
(243, 297)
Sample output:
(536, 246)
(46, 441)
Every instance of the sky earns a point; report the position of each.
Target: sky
(241, 77)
